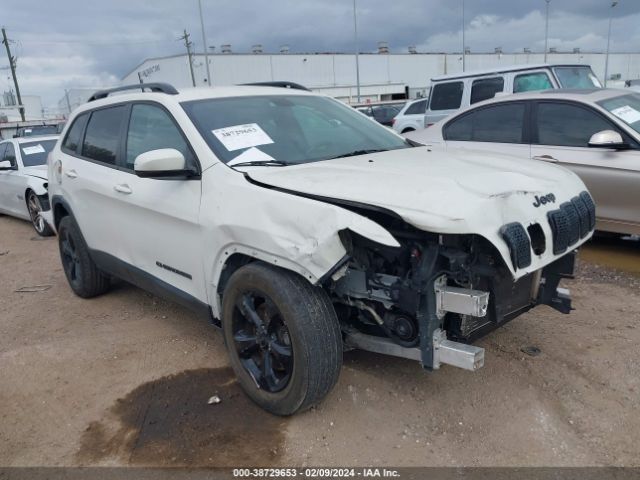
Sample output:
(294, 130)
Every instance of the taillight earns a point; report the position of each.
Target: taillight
(393, 122)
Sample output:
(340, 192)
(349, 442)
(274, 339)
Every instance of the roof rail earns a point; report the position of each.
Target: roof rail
(154, 87)
(292, 85)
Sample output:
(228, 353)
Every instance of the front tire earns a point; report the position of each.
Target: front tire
(283, 338)
(84, 277)
(34, 206)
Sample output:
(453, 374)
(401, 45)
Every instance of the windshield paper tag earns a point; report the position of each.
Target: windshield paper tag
(242, 136)
(252, 155)
(627, 114)
(35, 149)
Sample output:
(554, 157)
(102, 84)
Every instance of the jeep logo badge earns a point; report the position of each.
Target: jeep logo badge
(548, 198)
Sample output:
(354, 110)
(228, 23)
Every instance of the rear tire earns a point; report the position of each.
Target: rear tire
(283, 338)
(84, 277)
(407, 130)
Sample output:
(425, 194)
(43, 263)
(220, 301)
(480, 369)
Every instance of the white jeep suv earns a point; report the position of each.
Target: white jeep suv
(303, 229)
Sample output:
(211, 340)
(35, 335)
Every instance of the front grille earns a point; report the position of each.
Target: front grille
(560, 230)
(572, 221)
(583, 214)
(516, 238)
(591, 207)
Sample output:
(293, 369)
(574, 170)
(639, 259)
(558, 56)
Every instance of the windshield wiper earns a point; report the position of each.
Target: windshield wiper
(261, 163)
(355, 153)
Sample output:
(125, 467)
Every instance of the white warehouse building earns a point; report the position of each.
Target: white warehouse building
(383, 76)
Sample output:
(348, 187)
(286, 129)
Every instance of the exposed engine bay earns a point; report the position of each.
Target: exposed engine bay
(435, 288)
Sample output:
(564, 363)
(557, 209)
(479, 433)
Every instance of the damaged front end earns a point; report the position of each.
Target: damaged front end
(431, 297)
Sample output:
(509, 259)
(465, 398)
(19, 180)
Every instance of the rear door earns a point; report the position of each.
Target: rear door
(3, 181)
(89, 159)
(14, 184)
(485, 88)
(501, 128)
(561, 135)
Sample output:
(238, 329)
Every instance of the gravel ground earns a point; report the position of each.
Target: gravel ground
(124, 379)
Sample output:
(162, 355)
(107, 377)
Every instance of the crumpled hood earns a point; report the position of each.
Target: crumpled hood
(437, 191)
(430, 189)
(39, 171)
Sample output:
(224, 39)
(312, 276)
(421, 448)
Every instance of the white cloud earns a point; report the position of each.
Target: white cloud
(92, 44)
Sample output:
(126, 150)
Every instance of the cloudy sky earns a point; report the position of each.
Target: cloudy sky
(74, 43)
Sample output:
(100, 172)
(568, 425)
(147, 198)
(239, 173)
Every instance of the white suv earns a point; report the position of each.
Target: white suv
(411, 117)
(302, 229)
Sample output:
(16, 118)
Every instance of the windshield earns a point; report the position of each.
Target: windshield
(576, 77)
(35, 153)
(626, 108)
(290, 129)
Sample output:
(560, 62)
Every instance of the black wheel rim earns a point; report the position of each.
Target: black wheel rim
(69, 253)
(262, 341)
(35, 212)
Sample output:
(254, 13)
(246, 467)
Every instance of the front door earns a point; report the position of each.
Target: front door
(159, 217)
(612, 176)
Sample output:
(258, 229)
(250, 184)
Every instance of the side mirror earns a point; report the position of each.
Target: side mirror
(607, 139)
(6, 165)
(165, 162)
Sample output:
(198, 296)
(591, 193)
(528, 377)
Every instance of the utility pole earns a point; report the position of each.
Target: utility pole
(187, 43)
(546, 33)
(66, 96)
(464, 48)
(12, 65)
(355, 36)
(204, 43)
(606, 62)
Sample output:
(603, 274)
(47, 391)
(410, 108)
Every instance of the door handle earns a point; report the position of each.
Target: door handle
(545, 158)
(123, 188)
(71, 174)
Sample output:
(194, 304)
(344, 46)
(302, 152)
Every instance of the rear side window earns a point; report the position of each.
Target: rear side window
(102, 137)
(486, 88)
(500, 124)
(447, 96)
(151, 128)
(417, 108)
(74, 135)
(528, 82)
(568, 125)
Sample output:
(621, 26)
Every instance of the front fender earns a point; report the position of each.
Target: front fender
(37, 185)
(288, 231)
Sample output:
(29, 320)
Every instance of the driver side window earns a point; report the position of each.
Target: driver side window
(567, 125)
(151, 128)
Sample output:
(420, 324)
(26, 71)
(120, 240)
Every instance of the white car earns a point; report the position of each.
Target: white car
(411, 117)
(23, 180)
(302, 229)
(593, 132)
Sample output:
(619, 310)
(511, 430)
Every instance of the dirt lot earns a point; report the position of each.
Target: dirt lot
(124, 380)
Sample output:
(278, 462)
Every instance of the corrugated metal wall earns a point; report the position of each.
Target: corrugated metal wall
(325, 71)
